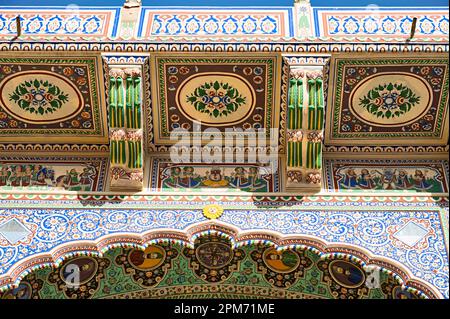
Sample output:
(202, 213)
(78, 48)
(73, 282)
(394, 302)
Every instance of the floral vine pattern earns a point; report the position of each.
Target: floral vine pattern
(39, 97)
(216, 98)
(389, 100)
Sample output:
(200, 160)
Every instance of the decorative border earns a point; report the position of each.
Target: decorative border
(237, 45)
(379, 21)
(40, 22)
(180, 18)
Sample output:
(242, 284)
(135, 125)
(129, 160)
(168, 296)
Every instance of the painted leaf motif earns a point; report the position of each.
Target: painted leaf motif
(216, 98)
(389, 100)
(44, 97)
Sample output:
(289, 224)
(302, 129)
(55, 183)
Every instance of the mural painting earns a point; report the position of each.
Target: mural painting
(219, 176)
(211, 270)
(43, 173)
(404, 175)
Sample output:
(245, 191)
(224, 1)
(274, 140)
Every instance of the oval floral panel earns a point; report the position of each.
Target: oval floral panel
(219, 99)
(40, 97)
(391, 99)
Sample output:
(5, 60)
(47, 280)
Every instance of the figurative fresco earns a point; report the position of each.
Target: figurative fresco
(147, 267)
(386, 100)
(45, 98)
(216, 23)
(245, 177)
(102, 278)
(404, 175)
(347, 280)
(385, 23)
(90, 272)
(281, 268)
(228, 92)
(34, 173)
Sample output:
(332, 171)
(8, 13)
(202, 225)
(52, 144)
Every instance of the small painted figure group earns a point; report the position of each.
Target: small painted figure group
(389, 179)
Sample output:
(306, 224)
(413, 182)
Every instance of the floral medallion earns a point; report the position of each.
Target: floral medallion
(37, 96)
(389, 100)
(216, 98)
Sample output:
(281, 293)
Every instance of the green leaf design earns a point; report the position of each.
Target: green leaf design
(216, 98)
(38, 97)
(389, 100)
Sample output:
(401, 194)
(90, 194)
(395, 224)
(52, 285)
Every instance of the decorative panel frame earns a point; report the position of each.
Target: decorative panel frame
(34, 84)
(420, 84)
(266, 98)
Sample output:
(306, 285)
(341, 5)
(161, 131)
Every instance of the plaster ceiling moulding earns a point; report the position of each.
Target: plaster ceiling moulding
(48, 98)
(387, 99)
(224, 91)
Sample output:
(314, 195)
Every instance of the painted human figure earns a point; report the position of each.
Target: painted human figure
(27, 175)
(403, 181)
(72, 179)
(352, 275)
(388, 179)
(16, 177)
(366, 181)
(86, 178)
(254, 178)
(173, 180)
(189, 179)
(239, 178)
(35, 173)
(3, 176)
(350, 179)
(420, 180)
(41, 181)
(215, 178)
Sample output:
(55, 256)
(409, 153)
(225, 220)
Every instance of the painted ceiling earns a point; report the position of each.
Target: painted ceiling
(91, 96)
(46, 98)
(212, 269)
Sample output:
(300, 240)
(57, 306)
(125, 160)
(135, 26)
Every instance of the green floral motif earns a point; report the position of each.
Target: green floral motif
(38, 97)
(216, 98)
(389, 100)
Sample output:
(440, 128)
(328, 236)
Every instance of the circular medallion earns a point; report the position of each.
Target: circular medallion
(391, 99)
(214, 255)
(346, 274)
(399, 293)
(151, 258)
(23, 291)
(281, 261)
(40, 97)
(219, 99)
(84, 268)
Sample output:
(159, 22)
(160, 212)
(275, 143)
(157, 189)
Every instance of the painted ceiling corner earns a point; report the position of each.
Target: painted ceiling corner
(242, 151)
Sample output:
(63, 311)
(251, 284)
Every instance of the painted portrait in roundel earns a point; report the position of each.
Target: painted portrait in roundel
(150, 258)
(87, 269)
(346, 274)
(214, 255)
(400, 293)
(23, 291)
(281, 261)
